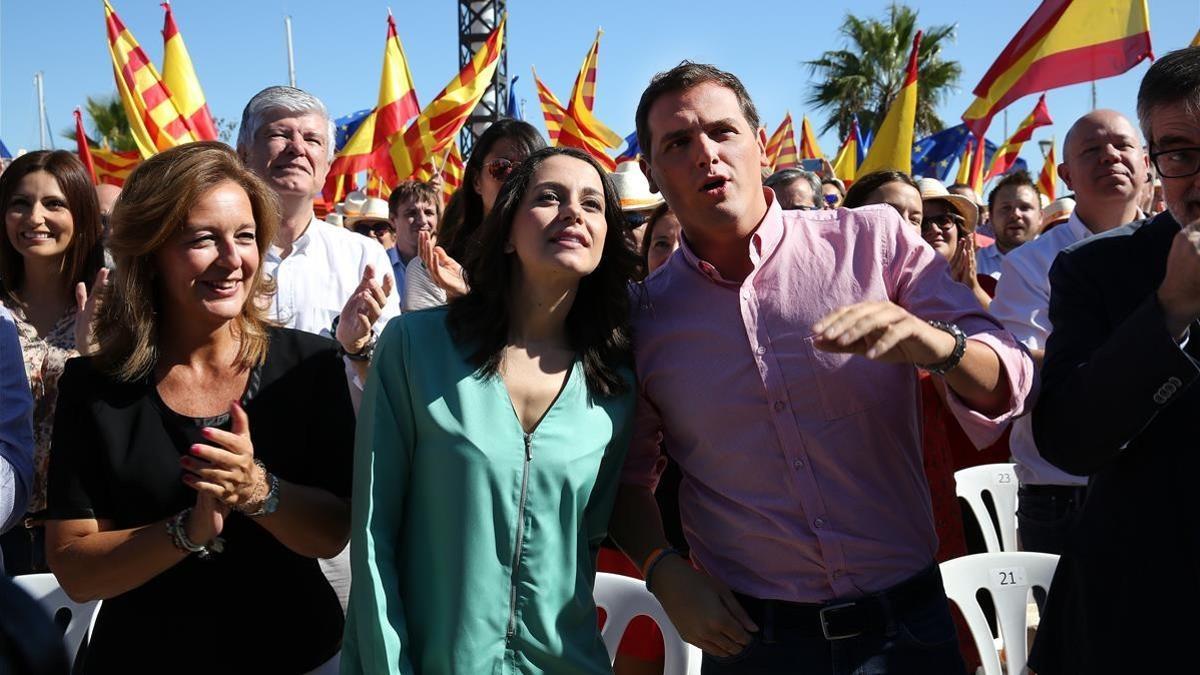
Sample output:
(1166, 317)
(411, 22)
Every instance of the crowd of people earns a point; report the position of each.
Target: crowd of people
(406, 440)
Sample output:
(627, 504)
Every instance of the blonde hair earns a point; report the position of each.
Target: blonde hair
(153, 205)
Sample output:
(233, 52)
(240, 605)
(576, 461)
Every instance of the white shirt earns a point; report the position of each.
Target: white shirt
(318, 277)
(1022, 304)
(988, 261)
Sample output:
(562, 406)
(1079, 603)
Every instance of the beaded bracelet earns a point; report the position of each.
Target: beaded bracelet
(181, 541)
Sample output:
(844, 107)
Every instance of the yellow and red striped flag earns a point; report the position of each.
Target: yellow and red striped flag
(451, 168)
(964, 163)
(397, 95)
(781, 146)
(845, 164)
(1064, 42)
(114, 167)
(1196, 40)
(809, 148)
(180, 79)
(439, 123)
(1007, 154)
(580, 128)
(1048, 178)
(552, 109)
(154, 120)
(892, 145)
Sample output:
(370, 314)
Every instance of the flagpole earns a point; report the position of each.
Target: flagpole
(37, 83)
(1093, 94)
(287, 24)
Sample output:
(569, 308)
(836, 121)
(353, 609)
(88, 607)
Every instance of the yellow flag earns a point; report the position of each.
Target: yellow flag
(892, 146)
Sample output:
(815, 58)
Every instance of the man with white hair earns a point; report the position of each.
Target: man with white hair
(329, 280)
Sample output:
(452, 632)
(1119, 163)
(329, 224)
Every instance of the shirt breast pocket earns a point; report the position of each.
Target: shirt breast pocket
(848, 383)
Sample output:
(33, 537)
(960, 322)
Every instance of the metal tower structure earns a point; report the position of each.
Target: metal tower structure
(476, 20)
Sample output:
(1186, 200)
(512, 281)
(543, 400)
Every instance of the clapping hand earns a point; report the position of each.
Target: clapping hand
(86, 307)
(362, 310)
(226, 471)
(443, 270)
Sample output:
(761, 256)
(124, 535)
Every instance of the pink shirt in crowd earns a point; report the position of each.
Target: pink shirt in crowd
(802, 469)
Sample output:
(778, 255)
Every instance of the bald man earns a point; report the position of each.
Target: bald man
(1103, 163)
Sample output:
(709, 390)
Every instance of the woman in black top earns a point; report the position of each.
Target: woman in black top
(201, 459)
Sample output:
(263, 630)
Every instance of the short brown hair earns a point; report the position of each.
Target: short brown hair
(1015, 179)
(414, 191)
(83, 256)
(154, 204)
(682, 77)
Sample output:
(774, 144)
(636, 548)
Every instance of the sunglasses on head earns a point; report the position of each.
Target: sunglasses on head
(375, 227)
(500, 168)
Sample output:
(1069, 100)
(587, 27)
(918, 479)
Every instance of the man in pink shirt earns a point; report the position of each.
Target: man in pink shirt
(777, 355)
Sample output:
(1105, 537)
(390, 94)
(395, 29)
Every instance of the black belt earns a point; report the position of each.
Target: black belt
(1071, 491)
(839, 619)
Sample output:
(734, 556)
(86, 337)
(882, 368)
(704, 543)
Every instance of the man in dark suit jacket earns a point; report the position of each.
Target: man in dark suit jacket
(1118, 404)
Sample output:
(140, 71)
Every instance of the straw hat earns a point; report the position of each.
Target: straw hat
(358, 206)
(1057, 211)
(633, 189)
(933, 190)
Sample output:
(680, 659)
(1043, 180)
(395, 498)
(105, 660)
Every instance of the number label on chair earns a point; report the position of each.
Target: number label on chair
(1007, 577)
(1004, 478)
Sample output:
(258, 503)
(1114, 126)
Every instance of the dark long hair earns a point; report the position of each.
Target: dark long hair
(84, 255)
(598, 323)
(862, 188)
(464, 213)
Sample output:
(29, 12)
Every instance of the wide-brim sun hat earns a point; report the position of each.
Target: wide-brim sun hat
(358, 206)
(932, 189)
(633, 190)
(1057, 211)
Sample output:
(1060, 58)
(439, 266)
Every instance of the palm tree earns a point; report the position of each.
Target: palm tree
(109, 123)
(864, 77)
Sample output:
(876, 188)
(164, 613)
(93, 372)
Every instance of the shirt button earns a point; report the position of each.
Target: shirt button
(760, 350)
(837, 574)
(819, 523)
(798, 464)
(779, 405)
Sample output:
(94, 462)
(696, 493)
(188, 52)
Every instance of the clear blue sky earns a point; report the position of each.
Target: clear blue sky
(239, 48)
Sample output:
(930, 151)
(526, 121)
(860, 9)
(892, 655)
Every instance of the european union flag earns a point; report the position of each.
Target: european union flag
(864, 141)
(933, 155)
(631, 150)
(4, 153)
(514, 110)
(346, 126)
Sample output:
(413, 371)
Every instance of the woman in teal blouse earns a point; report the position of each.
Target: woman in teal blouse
(489, 444)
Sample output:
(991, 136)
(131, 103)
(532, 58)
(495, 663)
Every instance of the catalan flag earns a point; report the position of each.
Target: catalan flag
(81, 141)
(1064, 42)
(809, 148)
(451, 167)
(154, 120)
(893, 143)
(580, 128)
(1008, 153)
(781, 146)
(113, 167)
(552, 110)
(180, 79)
(845, 164)
(1047, 180)
(439, 123)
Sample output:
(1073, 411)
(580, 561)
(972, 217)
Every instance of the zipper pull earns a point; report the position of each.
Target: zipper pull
(528, 448)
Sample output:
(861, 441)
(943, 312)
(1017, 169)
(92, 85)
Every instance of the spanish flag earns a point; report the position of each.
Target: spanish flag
(892, 147)
(1003, 160)
(397, 96)
(154, 120)
(81, 143)
(580, 128)
(964, 163)
(180, 78)
(1063, 43)
(845, 164)
(1048, 177)
(781, 147)
(439, 123)
(552, 109)
(809, 148)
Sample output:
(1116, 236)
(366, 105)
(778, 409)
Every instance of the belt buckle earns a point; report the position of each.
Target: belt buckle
(829, 635)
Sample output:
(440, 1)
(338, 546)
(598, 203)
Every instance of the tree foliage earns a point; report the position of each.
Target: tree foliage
(866, 75)
(109, 124)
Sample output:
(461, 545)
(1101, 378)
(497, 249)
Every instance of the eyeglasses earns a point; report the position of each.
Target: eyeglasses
(1177, 162)
(500, 168)
(943, 221)
(374, 227)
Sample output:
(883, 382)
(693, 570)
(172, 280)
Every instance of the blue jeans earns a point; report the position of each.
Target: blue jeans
(1045, 514)
(920, 641)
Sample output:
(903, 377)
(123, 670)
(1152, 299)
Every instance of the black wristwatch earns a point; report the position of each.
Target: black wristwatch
(363, 354)
(960, 348)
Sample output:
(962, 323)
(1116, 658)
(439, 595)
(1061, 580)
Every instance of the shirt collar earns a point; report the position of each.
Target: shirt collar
(762, 242)
(1076, 227)
(300, 245)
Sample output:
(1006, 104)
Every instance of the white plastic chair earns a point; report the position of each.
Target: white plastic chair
(999, 480)
(623, 598)
(45, 589)
(1008, 578)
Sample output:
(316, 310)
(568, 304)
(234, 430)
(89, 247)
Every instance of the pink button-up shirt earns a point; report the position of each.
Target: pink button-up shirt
(802, 471)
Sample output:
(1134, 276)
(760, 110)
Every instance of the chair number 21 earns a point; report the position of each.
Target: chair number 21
(1008, 576)
(1008, 579)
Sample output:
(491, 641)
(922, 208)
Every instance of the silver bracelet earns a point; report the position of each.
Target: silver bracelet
(181, 541)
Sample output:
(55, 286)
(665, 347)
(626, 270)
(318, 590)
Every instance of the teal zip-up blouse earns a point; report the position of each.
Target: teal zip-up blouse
(473, 548)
